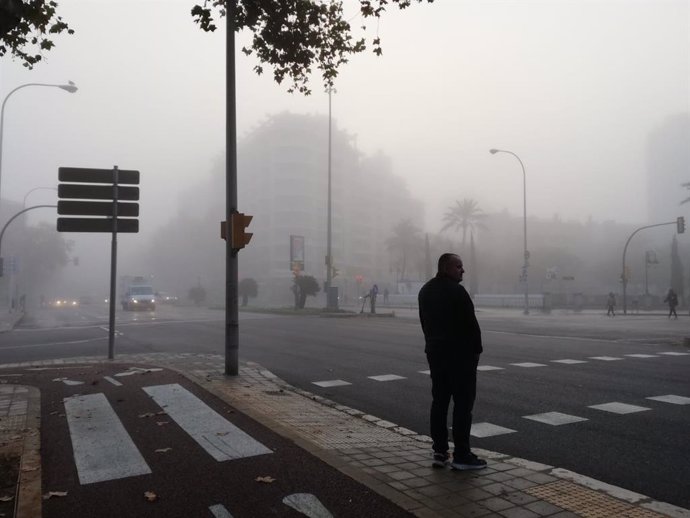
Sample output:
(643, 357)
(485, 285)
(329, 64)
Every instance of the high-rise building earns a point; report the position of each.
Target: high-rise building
(668, 167)
(283, 183)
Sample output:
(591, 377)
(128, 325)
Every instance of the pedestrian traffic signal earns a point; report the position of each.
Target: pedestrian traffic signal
(680, 222)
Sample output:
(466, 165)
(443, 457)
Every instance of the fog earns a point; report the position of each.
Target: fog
(575, 88)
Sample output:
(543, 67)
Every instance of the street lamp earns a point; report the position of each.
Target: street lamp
(69, 87)
(331, 301)
(36, 189)
(524, 193)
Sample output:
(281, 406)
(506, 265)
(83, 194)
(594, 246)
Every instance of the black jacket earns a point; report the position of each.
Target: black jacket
(448, 321)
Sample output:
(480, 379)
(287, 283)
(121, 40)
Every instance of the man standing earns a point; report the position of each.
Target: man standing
(453, 345)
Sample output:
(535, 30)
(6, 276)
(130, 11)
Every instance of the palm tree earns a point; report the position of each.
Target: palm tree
(464, 215)
(405, 240)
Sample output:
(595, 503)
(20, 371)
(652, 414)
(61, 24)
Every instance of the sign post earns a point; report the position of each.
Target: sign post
(119, 216)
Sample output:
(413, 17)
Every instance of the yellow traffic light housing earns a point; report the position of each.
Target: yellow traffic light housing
(238, 223)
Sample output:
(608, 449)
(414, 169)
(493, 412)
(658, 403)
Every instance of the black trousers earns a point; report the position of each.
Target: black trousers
(454, 378)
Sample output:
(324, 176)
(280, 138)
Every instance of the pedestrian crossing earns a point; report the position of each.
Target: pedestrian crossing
(552, 418)
(103, 449)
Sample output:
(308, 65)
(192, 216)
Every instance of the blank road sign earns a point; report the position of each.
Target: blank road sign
(96, 192)
(97, 208)
(96, 225)
(87, 175)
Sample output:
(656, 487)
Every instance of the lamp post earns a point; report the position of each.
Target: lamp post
(69, 87)
(524, 193)
(36, 189)
(330, 303)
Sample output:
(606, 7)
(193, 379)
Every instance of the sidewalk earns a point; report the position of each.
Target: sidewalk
(392, 461)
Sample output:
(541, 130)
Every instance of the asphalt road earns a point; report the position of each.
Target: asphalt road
(641, 450)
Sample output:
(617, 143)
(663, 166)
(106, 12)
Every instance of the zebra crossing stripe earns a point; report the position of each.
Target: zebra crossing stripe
(215, 434)
(219, 511)
(307, 504)
(103, 450)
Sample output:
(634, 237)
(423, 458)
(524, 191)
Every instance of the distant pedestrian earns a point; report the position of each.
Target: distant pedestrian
(672, 300)
(373, 293)
(453, 343)
(611, 303)
(635, 305)
(385, 295)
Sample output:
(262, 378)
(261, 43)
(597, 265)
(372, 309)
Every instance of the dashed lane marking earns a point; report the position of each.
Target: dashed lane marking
(619, 408)
(219, 511)
(489, 368)
(605, 358)
(113, 381)
(528, 365)
(219, 437)
(488, 430)
(386, 377)
(568, 361)
(674, 353)
(642, 355)
(308, 505)
(103, 450)
(554, 418)
(427, 372)
(672, 398)
(331, 383)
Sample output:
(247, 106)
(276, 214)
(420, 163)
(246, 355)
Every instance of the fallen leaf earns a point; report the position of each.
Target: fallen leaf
(162, 423)
(51, 494)
(222, 433)
(162, 412)
(150, 496)
(147, 414)
(163, 450)
(265, 480)
(6, 498)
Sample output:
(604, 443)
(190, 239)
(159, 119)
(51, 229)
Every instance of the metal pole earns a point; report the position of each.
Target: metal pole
(113, 271)
(625, 249)
(69, 88)
(328, 236)
(646, 274)
(231, 305)
(524, 213)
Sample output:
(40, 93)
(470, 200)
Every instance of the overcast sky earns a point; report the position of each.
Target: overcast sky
(573, 87)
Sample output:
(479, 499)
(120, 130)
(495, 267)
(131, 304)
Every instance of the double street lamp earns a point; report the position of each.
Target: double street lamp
(69, 87)
(526, 255)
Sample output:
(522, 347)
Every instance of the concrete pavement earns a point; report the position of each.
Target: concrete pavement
(392, 461)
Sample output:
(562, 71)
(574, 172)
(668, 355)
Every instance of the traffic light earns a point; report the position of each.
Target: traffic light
(239, 237)
(238, 223)
(680, 222)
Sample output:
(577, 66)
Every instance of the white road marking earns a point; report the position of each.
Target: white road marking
(568, 361)
(489, 368)
(642, 355)
(113, 381)
(605, 358)
(136, 370)
(673, 353)
(219, 511)
(528, 364)
(619, 408)
(52, 344)
(488, 430)
(331, 383)
(72, 383)
(103, 450)
(219, 437)
(386, 377)
(428, 373)
(554, 418)
(672, 398)
(307, 504)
